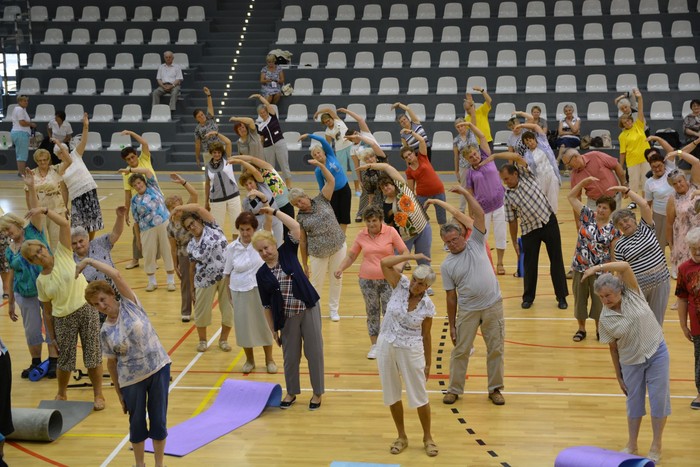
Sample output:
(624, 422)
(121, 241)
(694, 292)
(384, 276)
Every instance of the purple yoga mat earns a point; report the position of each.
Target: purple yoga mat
(591, 456)
(238, 403)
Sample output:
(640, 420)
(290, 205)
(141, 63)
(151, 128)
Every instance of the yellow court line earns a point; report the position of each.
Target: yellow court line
(218, 384)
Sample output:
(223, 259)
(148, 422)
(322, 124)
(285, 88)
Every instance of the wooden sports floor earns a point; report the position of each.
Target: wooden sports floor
(558, 393)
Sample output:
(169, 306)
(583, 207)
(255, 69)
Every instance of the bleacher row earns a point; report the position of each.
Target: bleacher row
(132, 36)
(117, 13)
(101, 113)
(98, 61)
(117, 141)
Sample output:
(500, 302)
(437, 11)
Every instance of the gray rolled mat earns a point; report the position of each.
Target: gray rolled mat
(36, 424)
(72, 412)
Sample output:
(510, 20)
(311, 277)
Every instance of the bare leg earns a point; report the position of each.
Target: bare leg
(63, 379)
(268, 354)
(53, 352)
(95, 375)
(159, 451)
(657, 427)
(397, 414)
(344, 227)
(225, 331)
(202, 333)
(91, 235)
(373, 339)
(288, 182)
(35, 351)
(424, 416)
(6, 284)
(139, 453)
(21, 167)
(249, 356)
(633, 425)
(499, 255)
(581, 325)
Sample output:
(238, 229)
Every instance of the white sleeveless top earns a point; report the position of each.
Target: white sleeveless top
(77, 177)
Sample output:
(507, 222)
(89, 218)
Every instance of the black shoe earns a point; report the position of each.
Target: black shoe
(26, 371)
(288, 404)
(562, 304)
(314, 405)
(358, 218)
(526, 305)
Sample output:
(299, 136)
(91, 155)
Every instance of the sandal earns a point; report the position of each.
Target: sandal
(430, 448)
(579, 336)
(500, 270)
(398, 446)
(99, 404)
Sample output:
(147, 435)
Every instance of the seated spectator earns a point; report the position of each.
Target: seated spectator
(59, 129)
(169, 79)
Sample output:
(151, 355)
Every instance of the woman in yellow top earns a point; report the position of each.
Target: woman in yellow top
(633, 143)
(66, 313)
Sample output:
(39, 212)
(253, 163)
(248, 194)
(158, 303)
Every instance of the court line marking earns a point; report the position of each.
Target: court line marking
(218, 384)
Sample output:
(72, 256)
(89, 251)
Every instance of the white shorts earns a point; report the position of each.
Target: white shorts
(397, 363)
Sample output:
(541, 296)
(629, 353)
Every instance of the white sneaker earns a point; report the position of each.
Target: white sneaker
(372, 354)
(151, 287)
(171, 287)
(334, 316)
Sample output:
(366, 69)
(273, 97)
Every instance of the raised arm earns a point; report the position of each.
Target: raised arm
(210, 102)
(118, 225)
(574, 195)
(411, 114)
(263, 101)
(507, 155)
(640, 105)
(203, 213)
(139, 139)
(475, 209)
(360, 121)
(287, 220)
(32, 200)
(422, 147)
(525, 115)
(690, 159)
(146, 172)
(109, 271)
(247, 121)
(255, 162)
(531, 126)
(644, 208)
(329, 185)
(622, 268)
(326, 110)
(80, 148)
(63, 224)
(324, 144)
(482, 91)
(194, 197)
(250, 168)
(391, 275)
(378, 151)
(387, 169)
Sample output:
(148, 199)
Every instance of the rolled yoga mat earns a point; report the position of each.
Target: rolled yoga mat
(591, 456)
(238, 403)
(36, 424)
(72, 412)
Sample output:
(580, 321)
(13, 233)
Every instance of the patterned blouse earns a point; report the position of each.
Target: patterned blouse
(460, 144)
(276, 185)
(149, 208)
(323, 233)
(181, 235)
(401, 327)
(209, 254)
(292, 305)
(48, 189)
(200, 132)
(593, 245)
(25, 273)
(405, 213)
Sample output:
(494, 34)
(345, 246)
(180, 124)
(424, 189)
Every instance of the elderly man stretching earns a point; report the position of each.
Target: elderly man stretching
(596, 164)
(473, 300)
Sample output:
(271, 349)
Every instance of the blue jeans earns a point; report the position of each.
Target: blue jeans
(422, 243)
(439, 210)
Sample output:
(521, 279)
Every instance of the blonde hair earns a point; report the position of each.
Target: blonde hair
(27, 246)
(263, 235)
(41, 153)
(172, 200)
(11, 219)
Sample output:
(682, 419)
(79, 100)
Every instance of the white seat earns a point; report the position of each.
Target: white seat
(160, 36)
(38, 13)
(392, 59)
(626, 82)
(535, 57)
(479, 33)
(398, 11)
(359, 109)
(44, 112)
(652, 30)
(318, 13)
(449, 59)
(504, 110)
(563, 8)
(395, 35)
(684, 111)
(131, 113)
(681, 28)
(11, 108)
(478, 59)
(648, 7)
(425, 11)
(535, 10)
(600, 133)
(565, 83)
(507, 33)
(383, 138)
(64, 13)
(90, 13)
(622, 30)
(292, 139)
(475, 81)
(598, 111)
(116, 14)
(308, 60)
(142, 87)
(536, 84)
(29, 86)
(508, 10)
(560, 109)
(423, 35)
(620, 7)
(143, 13)
(113, 87)
(336, 60)
(297, 113)
(594, 57)
(451, 34)
(119, 142)
(6, 138)
(169, 13)
(195, 13)
(368, 35)
(153, 139)
(292, 13)
(689, 81)
(340, 36)
(41, 61)
(187, 36)
(160, 113)
(505, 84)
(654, 56)
(541, 105)
(591, 8)
(364, 60)
(501, 137)
(94, 141)
(69, 61)
(684, 54)
(53, 36)
(182, 59)
(564, 32)
(150, 61)
(79, 36)
(133, 37)
(104, 113)
(596, 83)
(480, 10)
(57, 87)
(313, 36)
(123, 61)
(453, 11)
(677, 6)
(372, 12)
(74, 112)
(358, 87)
(624, 56)
(594, 31)
(445, 112)
(388, 86)
(345, 13)
(661, 110)
(106, 37)
(85, 87)
(420, 59)
(446, 85)
(384, 113)
(418, 85)
(506, 58)
(419, 110)
(658, 82)
(565, 57)
(535, 32)
(442, 140)
(287, 36)
(331, 87)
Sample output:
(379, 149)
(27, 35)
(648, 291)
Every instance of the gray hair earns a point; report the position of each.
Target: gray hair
(295, 194)
(674, 175)
(79, 231)
(608, 280)
(692, 238)
(450, 227)
(424, 273)
(622, 102)
(364, 154)
(622, 214)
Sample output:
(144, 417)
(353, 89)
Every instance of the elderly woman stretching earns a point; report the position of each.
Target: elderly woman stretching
(637, 348)
(291, 306)
(137, 362)
(50, 191)
(404, 346)
(66, 313)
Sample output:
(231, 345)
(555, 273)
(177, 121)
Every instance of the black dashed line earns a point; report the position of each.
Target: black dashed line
(480, 442)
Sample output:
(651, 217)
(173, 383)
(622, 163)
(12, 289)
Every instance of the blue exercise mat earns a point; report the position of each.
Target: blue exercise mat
(591, 456)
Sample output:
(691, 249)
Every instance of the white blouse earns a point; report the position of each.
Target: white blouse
(401, 327)
(242, 262)
(77, 177)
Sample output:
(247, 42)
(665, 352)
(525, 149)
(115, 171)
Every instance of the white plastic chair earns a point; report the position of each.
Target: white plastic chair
(442, 140)
(681, 28)
(340, 36)
(598, 111)
(654, 56)
(64, 13)
(74, 112)
(106, 37)
(594, 31)
(116, 14)
(292, 13)
(622, 30)
(535, 57)
(345, 13)
(620, 7)
(658, 82)
(133, 36)
(536, 84)
(449, 59)
(594, 57)
(507, 33)
(398, 11)
(38, 13)
(591, 8)
(478, 33)
(475, 81)
(565, 83)
(564, 32)
(297, 113)
(113, 87)
(141, 87)
(41, 61)
(445, 112)
(358, 87)
(85, 87)
(505, 84)
(508, 10)
(395, 35)
(423, 35)
(308, 60)
(420, 59)
(453, 11)
(195, 13)
(684, 54)
(287, 36)
(425, 11)
(372, 12)
(292, 139)
(478, 59)
(53, 36)
(384, 139)
(303, 87)
(44, 112)
(6, 138)
(150, 61)
(648, 7)
(661, 110)
(624, 56)
(336, 60)
(480, 10)
(563, 8)
(182, 59)
(313, 36)
(123, 61)
(689, 81)
(119, 141)
(388, 86)
(506, 58)
(368, 35)
(535, 32)
(503, 112)
(565, 57)
(626, 82)
(79, 36)
(392, 59)
(418, 85)
(69, 61)
(143, 13)
(187, 36)
(364, 60)
(318, 13)
(11, 108)
(677, 6)
(29, 86)
(384, 113)
(169, 13)
(359, 109)
(103, 113)
(451, 34)
(57, 87)
(153, 140)
(652, 30)
(160, 113)
(331, 87)
(90, 13)
(160, 36)
(535, 10)
(94, 142)
(446, 85)
(597, 83)
(132, 113)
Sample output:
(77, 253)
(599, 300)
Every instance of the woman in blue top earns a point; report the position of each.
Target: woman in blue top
(342, 195)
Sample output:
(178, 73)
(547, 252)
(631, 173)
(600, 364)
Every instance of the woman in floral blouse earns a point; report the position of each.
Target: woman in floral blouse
(50, 191)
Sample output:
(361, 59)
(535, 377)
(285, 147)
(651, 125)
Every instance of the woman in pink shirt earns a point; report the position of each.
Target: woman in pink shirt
(376, 241)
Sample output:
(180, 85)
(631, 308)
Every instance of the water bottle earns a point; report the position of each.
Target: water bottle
(39, 371)
(121, 146)
(4, 141)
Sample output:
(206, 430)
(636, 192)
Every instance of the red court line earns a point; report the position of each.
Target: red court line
(34, 454)
(182, 339)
